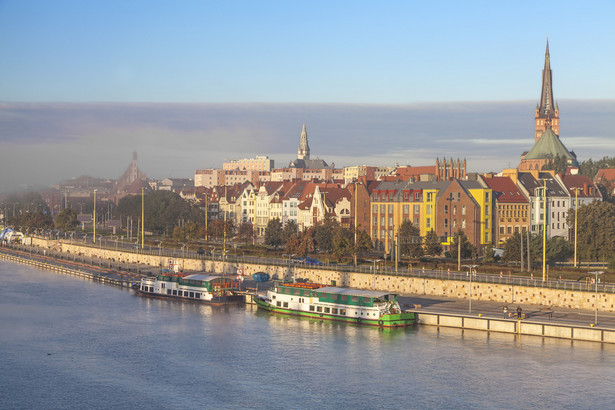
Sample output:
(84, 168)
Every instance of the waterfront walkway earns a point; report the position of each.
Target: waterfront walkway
(536, 313)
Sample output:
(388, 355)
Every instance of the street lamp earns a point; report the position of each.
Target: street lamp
(598, 272)
(471, 268)
(576, 207)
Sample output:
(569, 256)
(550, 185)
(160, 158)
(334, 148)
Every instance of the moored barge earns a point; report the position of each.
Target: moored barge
(316, 301)
(211, 289)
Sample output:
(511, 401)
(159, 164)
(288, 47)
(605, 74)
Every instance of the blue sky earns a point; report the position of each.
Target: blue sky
(188, 84)
(289, 51)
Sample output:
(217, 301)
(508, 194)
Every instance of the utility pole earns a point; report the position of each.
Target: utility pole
(544, 235)
(142, 217)
(94, 221)
(355, 227)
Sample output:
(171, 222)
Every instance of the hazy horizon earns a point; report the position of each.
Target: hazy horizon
(45, 143)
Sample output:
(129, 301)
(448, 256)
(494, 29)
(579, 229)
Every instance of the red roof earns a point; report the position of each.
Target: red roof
(505, 190)
(586, 187)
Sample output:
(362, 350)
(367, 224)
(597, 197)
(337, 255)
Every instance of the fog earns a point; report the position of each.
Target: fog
(44, 143)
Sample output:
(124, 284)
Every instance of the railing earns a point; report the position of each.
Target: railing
(368, 269)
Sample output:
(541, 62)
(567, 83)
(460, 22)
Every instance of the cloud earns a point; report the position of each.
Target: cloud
(49, 142)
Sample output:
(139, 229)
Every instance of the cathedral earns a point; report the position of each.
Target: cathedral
(547, 145)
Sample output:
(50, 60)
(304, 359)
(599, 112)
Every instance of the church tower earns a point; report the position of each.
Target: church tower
(547, 113)
(304, 149)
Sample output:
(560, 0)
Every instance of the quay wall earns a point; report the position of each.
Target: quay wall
(504, 293)
(521, 327)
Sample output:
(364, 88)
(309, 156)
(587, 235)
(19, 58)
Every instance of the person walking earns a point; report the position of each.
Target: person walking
(505, 310)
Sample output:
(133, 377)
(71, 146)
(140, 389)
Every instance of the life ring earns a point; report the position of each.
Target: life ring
(321, 315)
(240, 272)
(380, 323)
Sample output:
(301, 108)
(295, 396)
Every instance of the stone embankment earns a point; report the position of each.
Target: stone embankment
(497, 292)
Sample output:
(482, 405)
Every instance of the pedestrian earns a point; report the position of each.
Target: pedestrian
(505, 309)
(519, 310)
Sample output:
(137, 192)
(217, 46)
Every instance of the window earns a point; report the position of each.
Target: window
(428, 210)
(382, 209)
(327, 310)
(334, 311)
(454, 223)
(417, 196)
(486, 209)
(501, 230)
(445, 209)
(390, 208)
(463, 223)
(343, 312)
(319, 308)
(417, 209)
(454, 209)
(354, 298)
(311, 308)
(445, 222)
(463, 209)
(428, 222)
(429, 196)
(285, 304)
(406, 209)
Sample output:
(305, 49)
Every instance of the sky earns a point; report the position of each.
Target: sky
(188, 84)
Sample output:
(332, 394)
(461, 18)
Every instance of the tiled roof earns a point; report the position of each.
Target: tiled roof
(587, 189)
(505, 190)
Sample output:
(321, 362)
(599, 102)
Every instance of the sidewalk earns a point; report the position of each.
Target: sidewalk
(537, 313)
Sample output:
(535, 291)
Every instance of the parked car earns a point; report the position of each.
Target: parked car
(312, 261)
(201, 251)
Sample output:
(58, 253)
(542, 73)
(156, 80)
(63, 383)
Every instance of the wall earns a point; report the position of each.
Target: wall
(504, 293)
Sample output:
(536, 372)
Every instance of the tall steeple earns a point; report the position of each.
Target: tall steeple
(547, 113)
(304, 149)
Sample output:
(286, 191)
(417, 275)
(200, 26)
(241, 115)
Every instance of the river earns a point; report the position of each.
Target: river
(66, 342)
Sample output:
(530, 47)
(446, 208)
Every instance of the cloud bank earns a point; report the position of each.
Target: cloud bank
(44, 143)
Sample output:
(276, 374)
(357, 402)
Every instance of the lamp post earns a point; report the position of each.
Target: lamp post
(450, 212)
(142, 217)
(374, 271)
(598, 272)
(544, 234)
(471, 268)
(94, 219)
(576, 207)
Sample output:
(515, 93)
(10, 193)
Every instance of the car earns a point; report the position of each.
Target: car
(201, 251)
(312, 261)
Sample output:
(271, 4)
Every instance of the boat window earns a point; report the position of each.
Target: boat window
(197, 295)
(355, 299)
(319, 308)
(278, 304)
(297, 291)
(191, 294)
(168, 291)
(334, 311)
(285, 304)
(344, 298)
(311, 308)
(343, 312)
(327, 310)
(174, 292)
(162, 285)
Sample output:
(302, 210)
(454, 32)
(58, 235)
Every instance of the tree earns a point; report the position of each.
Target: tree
(290, 229)
(187, 232)
(216, 228)
(559, 164)
(163, 210)
(595, 231)
(590, 168)
(467, 249)
(273, 233)
(512, 248)
(343, 243)
(432, 244)
(410, 240)
(245, 232)
(66, 220)
(323, 234)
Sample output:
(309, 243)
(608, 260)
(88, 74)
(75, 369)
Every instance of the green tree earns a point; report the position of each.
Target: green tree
(590, 168)
(559, 164)
(595, 231)
(410, 241)
(343, 243)
(467, 249)
(66, 220)
(164, 210)
(323, 234)
(290, 229)
(273, 233)
(187, 233)
(432, 244)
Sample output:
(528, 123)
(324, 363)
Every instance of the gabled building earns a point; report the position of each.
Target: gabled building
(511, 209)
(533, 185)
(606, 178)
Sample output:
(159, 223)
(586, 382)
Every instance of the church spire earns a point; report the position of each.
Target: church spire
(547, 112)
(546, 95)
(304, 149)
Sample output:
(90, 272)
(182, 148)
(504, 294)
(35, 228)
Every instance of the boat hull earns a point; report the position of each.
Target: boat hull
(392, 320)
(215, 301)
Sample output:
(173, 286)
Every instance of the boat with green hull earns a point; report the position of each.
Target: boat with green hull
(316, 301)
